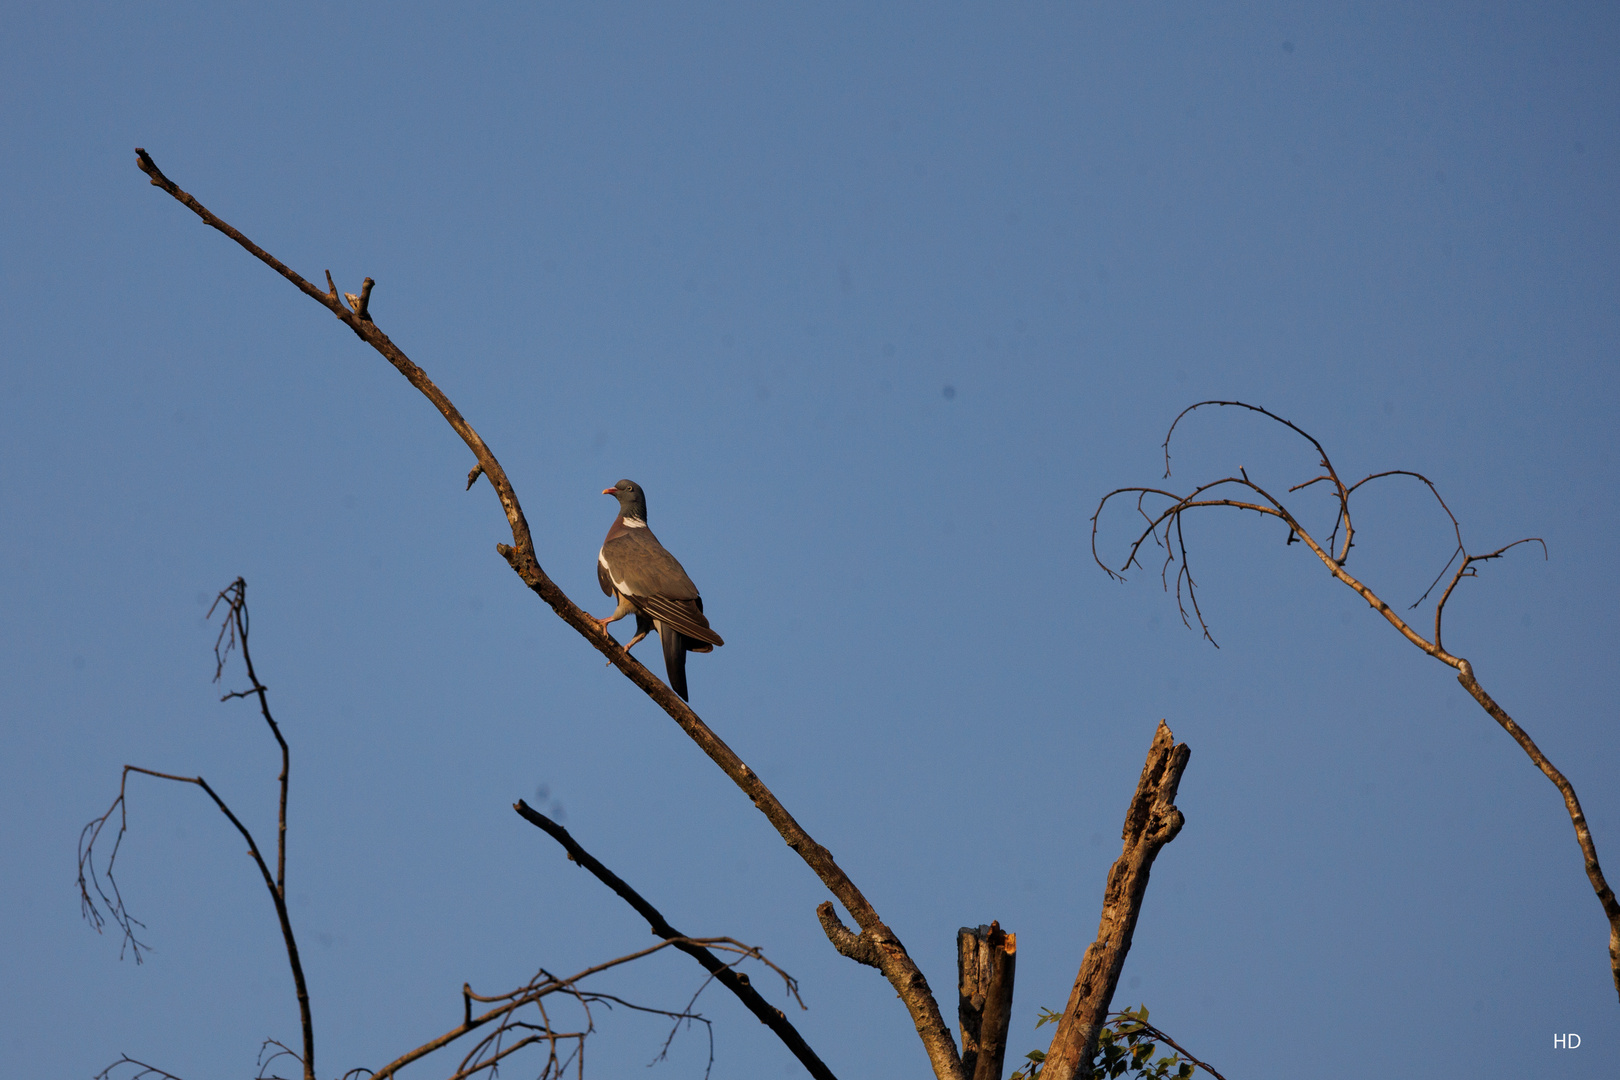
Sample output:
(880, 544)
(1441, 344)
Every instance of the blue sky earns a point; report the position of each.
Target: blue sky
(875, 301)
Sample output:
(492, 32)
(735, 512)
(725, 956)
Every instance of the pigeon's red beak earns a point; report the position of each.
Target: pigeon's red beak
(609, 491)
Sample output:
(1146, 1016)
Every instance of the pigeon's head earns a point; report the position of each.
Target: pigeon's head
(632, 502)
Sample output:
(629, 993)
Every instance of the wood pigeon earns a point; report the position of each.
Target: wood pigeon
(635, 570)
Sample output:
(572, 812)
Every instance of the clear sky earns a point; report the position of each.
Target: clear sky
(875, 301)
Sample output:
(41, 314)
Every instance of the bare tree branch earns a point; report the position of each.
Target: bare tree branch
(234, 632)
(1467, 570)
(1151, 822)
(266, 1059)
(892, 959)
(141, 1070)
(98, 890)
(504, 1015)
(735, 981)
(1332, 555)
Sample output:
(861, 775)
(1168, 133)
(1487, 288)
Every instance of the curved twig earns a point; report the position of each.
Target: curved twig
(142, 1070)
(1332, 473)
(1171, 518)
(1456, 529)
(1467, 570)
(121, 916)
(1455, 526)
(896, 964)
(283, 1050)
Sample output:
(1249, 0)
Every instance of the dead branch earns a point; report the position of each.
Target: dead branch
(506, 1013)
(727, 975)
(1333, 554)
(1151, 822)
(986, 960)
(141, 1070)
(233, 633)
(266, 1057)
(890, 955)
(506, 1032)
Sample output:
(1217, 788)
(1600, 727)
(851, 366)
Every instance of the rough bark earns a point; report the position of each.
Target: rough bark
(1152, 822)
(986, 959)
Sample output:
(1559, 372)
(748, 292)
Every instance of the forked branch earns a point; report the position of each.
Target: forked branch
(1164, 528)
(890, 955)
(99, 889)
(503, 1030)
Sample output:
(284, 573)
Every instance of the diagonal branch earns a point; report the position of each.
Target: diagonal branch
(1572, 805)
(1159, 528)
(893, 960)
(727, 976)
(1151, 822)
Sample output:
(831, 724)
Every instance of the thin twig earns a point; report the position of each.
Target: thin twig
(142, 1070)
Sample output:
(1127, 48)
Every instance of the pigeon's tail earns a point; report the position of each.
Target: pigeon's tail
(675, 649)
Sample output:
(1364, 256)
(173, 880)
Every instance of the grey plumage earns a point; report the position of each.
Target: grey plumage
(647, 581)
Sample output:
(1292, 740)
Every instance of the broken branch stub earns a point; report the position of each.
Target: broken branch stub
(986, 958)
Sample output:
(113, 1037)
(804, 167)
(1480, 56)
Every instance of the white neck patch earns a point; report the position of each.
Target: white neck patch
(634, 523)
